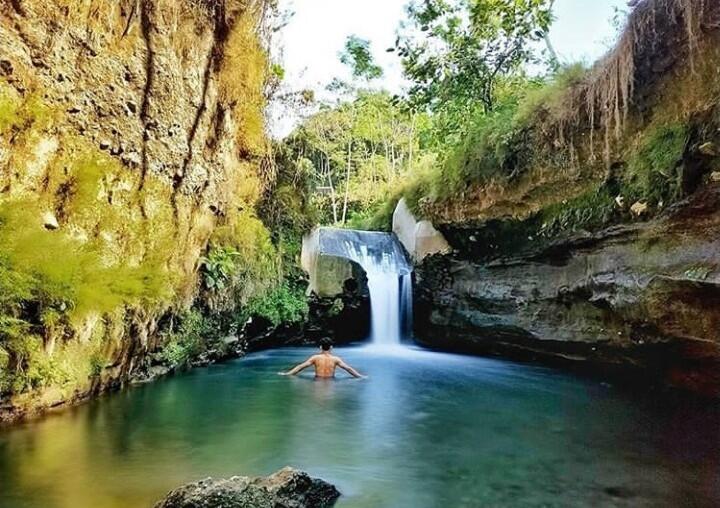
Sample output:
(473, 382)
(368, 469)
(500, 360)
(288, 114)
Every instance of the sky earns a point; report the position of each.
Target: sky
(310, 43)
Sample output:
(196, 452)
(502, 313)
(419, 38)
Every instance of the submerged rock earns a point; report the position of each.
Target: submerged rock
(288, 488)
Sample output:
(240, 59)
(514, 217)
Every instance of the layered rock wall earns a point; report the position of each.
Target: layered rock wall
(640, 299)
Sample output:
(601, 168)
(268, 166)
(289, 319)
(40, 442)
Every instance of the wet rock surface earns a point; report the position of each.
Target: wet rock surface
(641, 299)
(140, 84)
(345, 317)
(288, 488)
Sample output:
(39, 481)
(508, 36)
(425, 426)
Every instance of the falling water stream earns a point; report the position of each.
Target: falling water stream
(389, 279)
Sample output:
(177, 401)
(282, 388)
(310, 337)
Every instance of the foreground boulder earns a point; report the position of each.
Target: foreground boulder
(288, 488)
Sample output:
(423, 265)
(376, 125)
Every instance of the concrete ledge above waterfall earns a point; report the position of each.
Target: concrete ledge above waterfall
(420, 238)
(331, 256)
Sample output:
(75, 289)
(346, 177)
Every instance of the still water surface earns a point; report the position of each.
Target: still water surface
(426, 430)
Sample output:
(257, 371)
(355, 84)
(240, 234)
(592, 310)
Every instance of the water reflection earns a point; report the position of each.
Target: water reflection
(426, 430)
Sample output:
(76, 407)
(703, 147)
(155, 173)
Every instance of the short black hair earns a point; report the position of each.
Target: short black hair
(326, 343)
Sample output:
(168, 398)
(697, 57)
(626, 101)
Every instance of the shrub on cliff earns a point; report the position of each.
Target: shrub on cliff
(51, 282)
(282, 305)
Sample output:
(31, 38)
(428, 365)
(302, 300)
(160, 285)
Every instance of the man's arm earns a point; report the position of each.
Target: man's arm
(349, 369)
(299, 368)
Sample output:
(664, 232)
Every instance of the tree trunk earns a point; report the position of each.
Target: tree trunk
(347, 182)
(554, 60)
(333, 197)
(411, 142)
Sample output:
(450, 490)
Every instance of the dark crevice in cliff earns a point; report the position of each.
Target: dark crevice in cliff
(560, 252)
(146, 13)
(221, 30)
(179, 179)
(20, 29)
(218, 122)
(130, 18)
(17, 5)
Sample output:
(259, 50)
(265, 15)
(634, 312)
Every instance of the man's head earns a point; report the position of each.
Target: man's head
(326, 343)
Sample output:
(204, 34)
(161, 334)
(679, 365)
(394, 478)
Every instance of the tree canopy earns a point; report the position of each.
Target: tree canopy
(466, 63)
(359, 58)
(455, 52)
(352, 154)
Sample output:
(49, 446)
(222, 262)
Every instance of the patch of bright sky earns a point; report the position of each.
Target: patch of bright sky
(317, 32)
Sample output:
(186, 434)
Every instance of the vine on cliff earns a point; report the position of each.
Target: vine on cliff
(606, 95)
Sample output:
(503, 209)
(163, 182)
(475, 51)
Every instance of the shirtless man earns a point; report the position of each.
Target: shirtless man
(324, 363)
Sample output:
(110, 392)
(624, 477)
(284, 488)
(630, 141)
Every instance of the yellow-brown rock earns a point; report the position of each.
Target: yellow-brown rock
(129, 130)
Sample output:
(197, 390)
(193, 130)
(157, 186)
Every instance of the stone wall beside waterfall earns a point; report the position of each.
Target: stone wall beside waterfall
(331, 256)
(420, 238)
(640, 299)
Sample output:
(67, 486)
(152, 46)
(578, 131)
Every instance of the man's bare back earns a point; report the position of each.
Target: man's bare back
(325, 364)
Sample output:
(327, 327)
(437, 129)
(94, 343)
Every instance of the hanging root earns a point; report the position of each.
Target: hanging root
(605, 97)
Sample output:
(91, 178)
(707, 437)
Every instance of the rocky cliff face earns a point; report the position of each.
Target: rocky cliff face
(129, 130)
(593, 241)
(641, 299)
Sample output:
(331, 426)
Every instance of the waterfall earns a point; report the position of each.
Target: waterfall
(406, 305)
(390, 307)
(385, 326)
(389, 279)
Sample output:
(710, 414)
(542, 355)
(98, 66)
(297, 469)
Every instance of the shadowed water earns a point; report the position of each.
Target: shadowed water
(426, 430)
